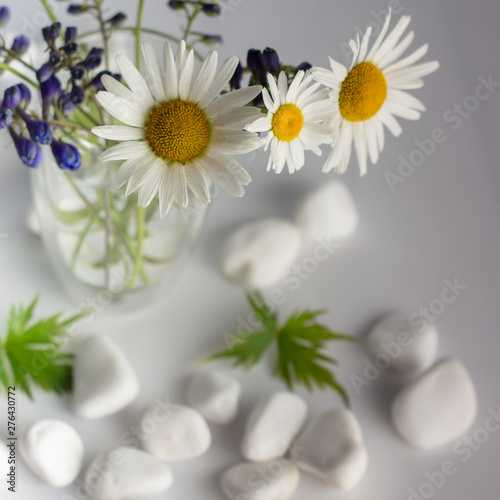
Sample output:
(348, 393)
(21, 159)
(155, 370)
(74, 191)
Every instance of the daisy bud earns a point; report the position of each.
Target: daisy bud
(303, 66)
(235, 81)
(50, 89)
(66, 155)
(29, 153)
(93, 59)
(6, 117)
(44, 72)
(70, 34)
(272, 61)
(117, 19)
(12, 97)
(51, 32)
(210, 9)
(70, 48)
(4, 16)
(176, 4)
(20, 45)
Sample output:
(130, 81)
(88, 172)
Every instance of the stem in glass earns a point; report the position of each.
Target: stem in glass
(140, 240)
(107, 232)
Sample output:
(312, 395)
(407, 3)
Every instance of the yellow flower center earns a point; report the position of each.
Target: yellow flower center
(362, 93)
(178, 131)
(287, 122)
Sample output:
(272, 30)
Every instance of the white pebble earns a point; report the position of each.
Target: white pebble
(272, 426)
(257, 254)
(331, 447)
(103, 380)
(126, 473)
(407, 344)
(174, 432)
(436, 408)
(271, 481)
(4, 456)
(328, 212)
(215, 395)
(53, 450)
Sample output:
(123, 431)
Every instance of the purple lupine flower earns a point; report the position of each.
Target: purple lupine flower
(93, 59)
(4, 15)
(77, 72)
(210, 9)
(54, 58)
(70, 34)
(176, 4)
(77, 95)
(25, 94)
(51, 32)
(66, 155)
(303, 66)
(20, 45)
(76, 8)
(44, 72)
(6, 117)
(235, 81)
(65, 103)
(70, 48)
(272, 61)
(117, 20)
(212, 39)
(50, 89)
(39, 131)
(27, 150)
(12, 97)
(96, 81)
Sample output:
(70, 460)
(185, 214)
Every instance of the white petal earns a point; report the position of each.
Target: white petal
(114, 86)
(196, 182)
(267, 99)
(218, 171)
(121, 109)
(170, 75)
(282, 86)
(134, 80)
(297, 80)
(297, 152)
(186, 76)
(364, 44)
(149, 188)
(178, 184)
(371, 140)
(238, 97)
(180, 57)
(360, 147)
(165, 195)
(397, 51)
(392, 39)
(412, 73)
(140, 175)
(273, 87)
(405, 99)
(397, 109)
(260, 125)
(380, 37)
(339, 70)
(238, 118)
(127, 168)
(407, 61)
(125, 151)
(390, 122)
(204, 77)
(220, 81)
(234, 141)
(233, 166)
(153, 72)
(118, 132)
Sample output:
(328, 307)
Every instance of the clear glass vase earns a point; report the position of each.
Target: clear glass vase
(101, 244)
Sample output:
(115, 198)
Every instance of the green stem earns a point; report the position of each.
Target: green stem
(49, 10)
(140, 240)
(104, 33)
(19, 74)
(13, 56)
(190, 19)
(138, 28)
(81, 239)
(107, 233)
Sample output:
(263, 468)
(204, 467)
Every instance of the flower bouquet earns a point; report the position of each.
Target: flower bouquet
(126, 158)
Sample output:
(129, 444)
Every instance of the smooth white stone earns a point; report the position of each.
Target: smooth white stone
(215, 395)
(331, 447)
(436, 408)
(272, 426)
(408, 344)
(103, 380)
(4, 456)
(53, 450)
(271, 481)
(328, 212)
(126, 473)
(258, 253)
(32, 221)
(174, 432)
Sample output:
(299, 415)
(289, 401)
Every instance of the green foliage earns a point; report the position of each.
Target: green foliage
(31, 355)
(300, 343)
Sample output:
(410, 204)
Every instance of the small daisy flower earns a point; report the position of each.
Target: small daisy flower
(294, 120)
(372, 93)
(178, 130)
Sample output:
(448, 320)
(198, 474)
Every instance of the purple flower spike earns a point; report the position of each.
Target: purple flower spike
(20, 45)
(29, 153)
(66, 155)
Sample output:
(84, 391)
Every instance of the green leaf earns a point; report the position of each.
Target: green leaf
(31, 354)
(301, 343)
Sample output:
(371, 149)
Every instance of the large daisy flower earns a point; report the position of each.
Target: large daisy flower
(179, 131)
(293, 120)
(372, 93)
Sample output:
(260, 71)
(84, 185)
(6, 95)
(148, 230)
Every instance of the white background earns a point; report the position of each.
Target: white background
(441, 223)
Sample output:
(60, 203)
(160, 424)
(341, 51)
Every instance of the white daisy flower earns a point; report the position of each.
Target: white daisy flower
(372, 93)
(293, 121)
(179, 131)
